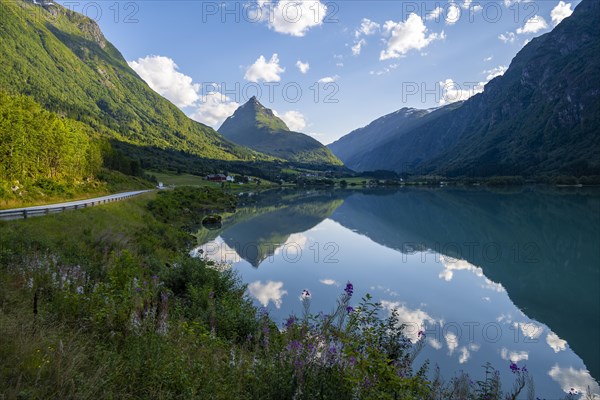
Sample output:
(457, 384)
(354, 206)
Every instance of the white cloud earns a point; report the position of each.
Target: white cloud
(435, 14)
(405, 36)
(509, 3)
(495, 72)
(303, 67)
(514, 356)
(213, 109)
(433, 342)
(557, 344)
(294, 17)
(414, 320)
(329, 79)
(453, 92)
(263, 70)
(162, 75)
(560, 12)
(451, 342)
(329, 282)
(356, 49)
(295, 120)
(530, 330)
(268, 292)
(464, 355)
(578, 379)
(452, 13)
(508, 37)
(488, 59)
(367, 27)
(533, 25)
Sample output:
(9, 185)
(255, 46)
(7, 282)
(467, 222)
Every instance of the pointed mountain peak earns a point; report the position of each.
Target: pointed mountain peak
(255, 115)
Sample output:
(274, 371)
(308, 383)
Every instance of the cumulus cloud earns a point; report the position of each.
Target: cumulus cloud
(557, 344)
(495, 72)
(533, 25)
(263, 70)
(295, 120)
(560, 12)
(415, 320)
(267, 292)
(452, 13)
(572, 378)
(530, 330)
(435, 14)
(329, 282)
(356, 49)
(464, 356)
(303, 67)
(514, 356)
(162, 75)
(453, 92)
(294, 17)
(367, 27)
(451, 342)
(433, 342)
(405, 36)
(329, 79)
(213, 109)
(508, 37)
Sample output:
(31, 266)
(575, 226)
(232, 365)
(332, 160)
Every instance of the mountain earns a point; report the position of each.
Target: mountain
(62, 60)
(258, 128)
(356, 148)
(540, 118)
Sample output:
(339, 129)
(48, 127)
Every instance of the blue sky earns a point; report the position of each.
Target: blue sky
(365, 58)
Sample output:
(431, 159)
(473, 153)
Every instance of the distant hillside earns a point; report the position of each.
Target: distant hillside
(258, 128)
(542, 117)
(62, 60)
(356, 148)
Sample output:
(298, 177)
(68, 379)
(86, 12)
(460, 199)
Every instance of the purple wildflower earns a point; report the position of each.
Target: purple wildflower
(349, 309)
(514, 368)
(349, 289)
(290, 321)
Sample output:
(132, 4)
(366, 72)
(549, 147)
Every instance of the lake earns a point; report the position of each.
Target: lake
(489, 275)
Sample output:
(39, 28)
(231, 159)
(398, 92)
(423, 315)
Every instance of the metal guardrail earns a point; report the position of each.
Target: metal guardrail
(38, 211)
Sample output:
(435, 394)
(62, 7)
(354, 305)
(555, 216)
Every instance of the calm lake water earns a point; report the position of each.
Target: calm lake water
(491, 276)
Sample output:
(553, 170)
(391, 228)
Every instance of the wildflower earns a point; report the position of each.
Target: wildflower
(349, 309)
(290, 321)
(514, 368)
(305, 294)
(349, 289)
(294, 345)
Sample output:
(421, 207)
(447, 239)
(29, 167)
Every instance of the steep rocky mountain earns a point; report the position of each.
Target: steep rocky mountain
(356, 148)
(542, 117)
(62, 60)
(257, 127)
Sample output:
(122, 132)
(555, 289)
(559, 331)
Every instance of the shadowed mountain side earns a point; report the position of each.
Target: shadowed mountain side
(546, 268)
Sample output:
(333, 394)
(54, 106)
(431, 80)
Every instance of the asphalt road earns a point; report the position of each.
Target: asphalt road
(26, 212)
